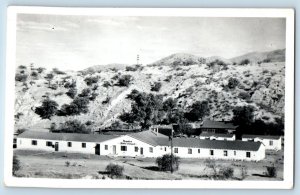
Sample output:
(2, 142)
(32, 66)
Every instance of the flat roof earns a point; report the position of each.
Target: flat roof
(204, 134)
(261, 136)
(216, 144)
(67, 136)
(218, 125)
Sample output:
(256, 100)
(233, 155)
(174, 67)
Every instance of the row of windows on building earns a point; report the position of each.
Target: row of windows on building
(136, 149)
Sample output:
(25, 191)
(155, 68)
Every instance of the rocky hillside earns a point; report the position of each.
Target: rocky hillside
(185, 77)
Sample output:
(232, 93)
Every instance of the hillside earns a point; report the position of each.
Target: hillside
(271, 56)
(184, 77)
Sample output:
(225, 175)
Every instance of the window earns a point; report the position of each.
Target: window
(151, 149)
(106, 147)
(83, 145)
(271, 143)
(199, 151)
(234, 152)
(248, 154)
(175, 150)
(123, 148)
(225, 153)
(211, 152)
(190, 151)
(165, 148)
(48, 143)
(136, 149)
(33, 142)
(69, 144)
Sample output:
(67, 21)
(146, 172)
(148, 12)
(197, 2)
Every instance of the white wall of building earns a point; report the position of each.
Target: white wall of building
(218, 138)
(183, 152)
(270, 144)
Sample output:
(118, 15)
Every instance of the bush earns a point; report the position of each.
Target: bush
(79, 105)
(40, 70)
(124, 80)
(114, 170)
(156, 86)
(72, 93)
(85, 93)
(168, 78)
(21, 77)
(91, 80)
(34, 74)
(245, 62)
(106, 84)
(267, 60)
(16, 165)
(165, 162)
(22, 67)
(233, 82)
(244, 95)
(131, 68)
(226, 172)
(271, 171)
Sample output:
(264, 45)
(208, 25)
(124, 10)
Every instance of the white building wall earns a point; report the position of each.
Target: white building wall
(218, 138)
(276, 144)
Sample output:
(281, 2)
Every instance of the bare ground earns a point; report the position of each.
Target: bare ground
(40, 164)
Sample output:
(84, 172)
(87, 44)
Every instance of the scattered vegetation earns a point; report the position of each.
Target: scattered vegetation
(47, 109)
(233, 82)
(91, 80)
(244, 62)
(72, 93)
(56, 71)
(21, 77)
(124, 81)
(71, 126)
(156, 86)
(16, 165)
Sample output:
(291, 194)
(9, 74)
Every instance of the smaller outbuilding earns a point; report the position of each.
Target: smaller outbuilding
(223, 127)
(217, 136)
(270, 142)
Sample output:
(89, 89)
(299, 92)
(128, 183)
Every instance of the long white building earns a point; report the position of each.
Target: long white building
(142, 144)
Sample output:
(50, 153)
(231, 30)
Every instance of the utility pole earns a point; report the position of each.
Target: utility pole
(137, 59)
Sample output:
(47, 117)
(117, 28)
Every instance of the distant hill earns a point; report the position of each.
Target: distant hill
(98, 68)
(179, 59)
(273, 56)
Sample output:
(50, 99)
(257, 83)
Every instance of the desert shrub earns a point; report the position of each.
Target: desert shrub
(95, 87)
(216, 62)
(34, 74)
(168, 78)
(271, 171)
(58, 94)
(167, 162)
(22, 130)
(93, 96)
(47, 109)
(245, 62)
(78, 106)
(53, 86)
(67, 163)
(16, 165)
(107, 100)
(156, 86)
(226, 172)
(131, 68)
(56, 71)
(72, 126)
(70, 85)
(265, 71)
(244, 95)
(267, 60)
(233, 82)
(21, 77)
(114, 69)
(85, 93)
(124, 80)
(72, 93)
(180, 74)
(88, 123)
(189, 90)
(114, 170)
(22, 67)
(91, 80)
(244, 173)
(40, 70)
(106, 84)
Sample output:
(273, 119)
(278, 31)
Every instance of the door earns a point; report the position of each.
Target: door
(56, 146)
(114, 149)
(142, 151)
(97, 149)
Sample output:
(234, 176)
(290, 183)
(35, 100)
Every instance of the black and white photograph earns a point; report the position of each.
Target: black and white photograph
(125, 98)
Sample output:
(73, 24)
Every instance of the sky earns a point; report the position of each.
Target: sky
(78, 42)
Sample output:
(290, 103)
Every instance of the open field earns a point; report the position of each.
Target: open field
(41, 164)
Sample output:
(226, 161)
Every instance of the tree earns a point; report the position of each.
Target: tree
(85, 93)
(49, 77)
(243, 116)
(166, 163)
(72, 126)
(91, 80)
(21, 77)
(16, 165)
(233, 82)
(47, 109)
(198, 110)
